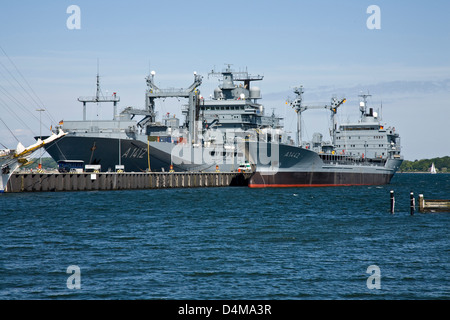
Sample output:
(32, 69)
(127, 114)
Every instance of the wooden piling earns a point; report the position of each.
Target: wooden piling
(392, 202)
(421, 203)
(412, 203)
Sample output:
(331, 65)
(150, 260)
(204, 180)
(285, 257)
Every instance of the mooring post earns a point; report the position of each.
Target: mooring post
(421, 203)
(392, 202)
(412, 203)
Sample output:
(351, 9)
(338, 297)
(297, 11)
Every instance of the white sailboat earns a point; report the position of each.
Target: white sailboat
(11, 160)
(432, 169)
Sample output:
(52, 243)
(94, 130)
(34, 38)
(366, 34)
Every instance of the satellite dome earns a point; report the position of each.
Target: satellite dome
(255, 93)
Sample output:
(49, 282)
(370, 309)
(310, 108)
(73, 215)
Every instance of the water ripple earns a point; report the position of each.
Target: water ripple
(226, 243)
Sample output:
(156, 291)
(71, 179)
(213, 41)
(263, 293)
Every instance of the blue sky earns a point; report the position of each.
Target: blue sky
(291, 42)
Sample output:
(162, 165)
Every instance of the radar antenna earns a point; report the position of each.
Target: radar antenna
(363, 103)
(99, 98)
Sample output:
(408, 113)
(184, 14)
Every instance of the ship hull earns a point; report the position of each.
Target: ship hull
(317, 179)
(297, 167)
(135, 155)
(105, 152)
(8, 165)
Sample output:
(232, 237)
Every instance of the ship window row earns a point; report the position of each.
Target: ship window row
(226, 154)
(359, 154)
(359, 137)
(223, 108)
(354, 145)
(344, 128)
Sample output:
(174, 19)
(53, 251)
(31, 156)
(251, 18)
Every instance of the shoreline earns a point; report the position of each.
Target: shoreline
(422, 172)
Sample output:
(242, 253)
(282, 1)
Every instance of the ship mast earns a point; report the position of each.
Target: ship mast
(114, 99)
(335, 104)
(228, 89)
(297, 105)
(192, 93)
(299, 108)
(363, 104)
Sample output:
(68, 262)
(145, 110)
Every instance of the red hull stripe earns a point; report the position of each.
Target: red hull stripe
(302, 185)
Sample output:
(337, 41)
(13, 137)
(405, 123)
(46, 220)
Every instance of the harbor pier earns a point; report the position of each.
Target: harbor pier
(87, 181)
(433, 205)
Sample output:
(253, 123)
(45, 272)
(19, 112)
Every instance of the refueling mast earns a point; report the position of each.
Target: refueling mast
(300, 108)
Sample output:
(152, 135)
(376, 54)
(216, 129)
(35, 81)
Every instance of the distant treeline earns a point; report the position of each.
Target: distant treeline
(47, 163)
(441, 164)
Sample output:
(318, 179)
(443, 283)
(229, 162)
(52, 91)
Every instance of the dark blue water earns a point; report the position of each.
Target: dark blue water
(227, 243)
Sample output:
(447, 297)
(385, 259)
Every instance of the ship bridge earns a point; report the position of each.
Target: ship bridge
(368, 138)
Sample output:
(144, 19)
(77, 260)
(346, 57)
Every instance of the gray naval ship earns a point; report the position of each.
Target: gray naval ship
(363, 153)
(212, 137)
(228, 130)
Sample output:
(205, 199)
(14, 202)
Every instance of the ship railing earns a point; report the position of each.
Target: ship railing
(99, 99)
(170, 92)
(351, 160)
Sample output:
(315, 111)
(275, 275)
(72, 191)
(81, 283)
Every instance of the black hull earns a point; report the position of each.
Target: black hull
(105, 151)
(317, 179)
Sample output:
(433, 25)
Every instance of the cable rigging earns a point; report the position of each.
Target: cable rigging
(28, 96)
